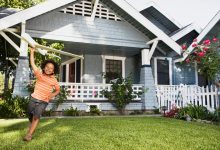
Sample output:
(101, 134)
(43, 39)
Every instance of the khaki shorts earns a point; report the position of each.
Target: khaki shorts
(36, 108)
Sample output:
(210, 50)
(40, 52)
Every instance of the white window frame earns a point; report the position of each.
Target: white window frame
(170, 68)
(104, 57)
(67, 68)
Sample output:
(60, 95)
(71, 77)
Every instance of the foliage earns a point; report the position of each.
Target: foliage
(21, 4)
(197, 112)
(60, 98)
(71, 112)
(173, 112)
(39, 58)
(13, 107)
(207, 57)
(94, 110)
(121, 92)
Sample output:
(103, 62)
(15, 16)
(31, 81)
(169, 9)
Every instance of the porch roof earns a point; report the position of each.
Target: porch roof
(120, 7)
(158, 16)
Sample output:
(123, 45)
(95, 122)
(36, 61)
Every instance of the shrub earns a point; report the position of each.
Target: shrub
(121, 93)
(60, 98)
(71, 112)
(13, 107)
(197, 112)
(94, 110)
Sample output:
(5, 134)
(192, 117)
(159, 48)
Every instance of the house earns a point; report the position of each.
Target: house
(114, 38)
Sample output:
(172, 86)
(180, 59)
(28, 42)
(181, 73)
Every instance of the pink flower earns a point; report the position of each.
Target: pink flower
(195, 40)
(205, 48)
(187, 60)
(201, 54)
(194, 45)
(214, 39)
(184, 47)
(207, 42)
(95, 94)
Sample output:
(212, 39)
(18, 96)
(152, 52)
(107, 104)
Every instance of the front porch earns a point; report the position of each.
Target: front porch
(83, 95)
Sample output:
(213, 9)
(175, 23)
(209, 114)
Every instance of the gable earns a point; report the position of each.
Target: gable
(56, 25)
(120, 7)
(85, 8)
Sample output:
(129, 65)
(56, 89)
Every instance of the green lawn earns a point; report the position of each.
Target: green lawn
(111, 133)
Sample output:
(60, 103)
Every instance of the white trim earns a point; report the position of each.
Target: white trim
(196, 74)
(68, 61)
(27, 38)
(153, 49)
(32, 12)
(11, 59)
(204, 32)
(104, 57)
(152, 41)
(170, 69)
(94, 9)
(185, 31)
(81, 75)
(67, 72)
(10, 41)
(23, 44)
(148, 24)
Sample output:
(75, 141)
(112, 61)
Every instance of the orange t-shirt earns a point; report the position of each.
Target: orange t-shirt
(45, 85)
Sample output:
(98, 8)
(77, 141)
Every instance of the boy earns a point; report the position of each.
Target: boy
(45, 89)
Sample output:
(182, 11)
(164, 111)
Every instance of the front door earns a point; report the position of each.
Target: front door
(163, 70)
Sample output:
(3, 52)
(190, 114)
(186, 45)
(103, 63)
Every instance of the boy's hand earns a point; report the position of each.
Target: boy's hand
(32, 50)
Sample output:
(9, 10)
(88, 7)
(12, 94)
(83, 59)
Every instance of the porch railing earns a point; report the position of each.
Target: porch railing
(181, 95)
(92, 91)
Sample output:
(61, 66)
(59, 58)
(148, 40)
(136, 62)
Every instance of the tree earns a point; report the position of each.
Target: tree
(21, 4)
(207, 57)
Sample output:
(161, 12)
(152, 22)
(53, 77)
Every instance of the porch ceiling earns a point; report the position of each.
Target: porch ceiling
(97, 49)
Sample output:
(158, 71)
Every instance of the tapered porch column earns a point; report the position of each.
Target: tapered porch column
(146, 78)
(22, 77)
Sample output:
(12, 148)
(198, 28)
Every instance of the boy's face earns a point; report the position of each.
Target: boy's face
(49, 69)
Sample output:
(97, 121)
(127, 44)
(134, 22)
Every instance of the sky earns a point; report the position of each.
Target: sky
(184, 11)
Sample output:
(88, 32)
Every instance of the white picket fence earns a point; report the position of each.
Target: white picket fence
(167, 95)
(181, 95)
(92, 91)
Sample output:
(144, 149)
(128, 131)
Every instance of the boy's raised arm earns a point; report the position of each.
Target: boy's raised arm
(34, 67)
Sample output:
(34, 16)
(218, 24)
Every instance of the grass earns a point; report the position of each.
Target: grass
(111, 133)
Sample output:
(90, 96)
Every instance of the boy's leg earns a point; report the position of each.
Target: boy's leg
(32, 127)
(39, 109)
(34, 124)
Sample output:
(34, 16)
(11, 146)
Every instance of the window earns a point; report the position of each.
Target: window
(71, 72)
(163, 70)
(113, 67)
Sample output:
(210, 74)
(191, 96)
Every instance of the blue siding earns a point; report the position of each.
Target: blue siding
(73, 28)
(183, 74)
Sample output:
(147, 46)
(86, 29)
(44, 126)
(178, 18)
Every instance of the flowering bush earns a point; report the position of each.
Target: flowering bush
(173, 112)
(207, 57)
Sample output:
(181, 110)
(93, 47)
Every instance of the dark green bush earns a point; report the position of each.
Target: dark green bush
(121, 93)
(94, 110)
(71, 112)
(198, 112)
(13, 106)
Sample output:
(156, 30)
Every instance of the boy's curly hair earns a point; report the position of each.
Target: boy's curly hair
(56, 66)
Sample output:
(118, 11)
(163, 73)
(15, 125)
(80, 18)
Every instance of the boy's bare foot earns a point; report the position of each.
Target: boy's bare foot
(28, 137)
